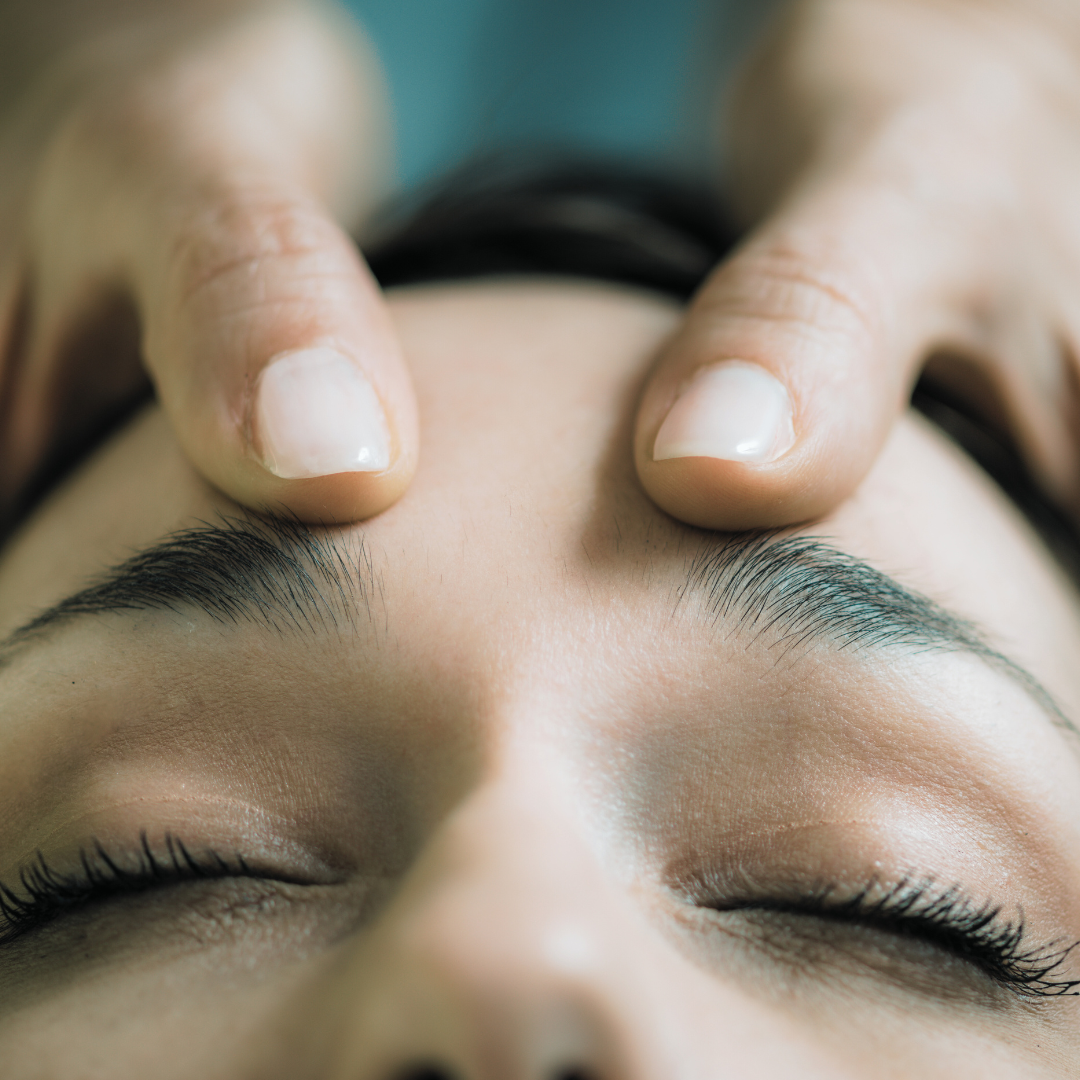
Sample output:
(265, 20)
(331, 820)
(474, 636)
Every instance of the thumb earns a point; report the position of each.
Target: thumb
(776, 395)
(274, 355)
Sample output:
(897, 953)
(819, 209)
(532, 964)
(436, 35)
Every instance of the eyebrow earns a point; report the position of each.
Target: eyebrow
(797, 591)
(275, 573)
(279, 574)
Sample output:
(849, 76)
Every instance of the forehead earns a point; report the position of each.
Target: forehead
(524, 389)
(526, 512)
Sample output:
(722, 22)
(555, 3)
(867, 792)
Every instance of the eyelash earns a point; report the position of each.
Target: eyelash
(947, 918)
(910, 908)
(45, 894)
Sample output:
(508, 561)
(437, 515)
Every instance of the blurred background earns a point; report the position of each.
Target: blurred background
(634, 78)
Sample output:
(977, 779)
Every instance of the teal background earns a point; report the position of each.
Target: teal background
(633, 78)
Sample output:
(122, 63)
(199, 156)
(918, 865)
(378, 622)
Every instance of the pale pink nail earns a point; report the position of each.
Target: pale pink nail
(734, 411)
(315, 414)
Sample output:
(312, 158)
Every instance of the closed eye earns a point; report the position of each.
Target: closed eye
(43, 894)
(945, 918)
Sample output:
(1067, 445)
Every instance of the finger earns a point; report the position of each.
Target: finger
(1028, 387)
(194, 187)
(75, 370)
(274, 355)
(21, 434)
(795, 358)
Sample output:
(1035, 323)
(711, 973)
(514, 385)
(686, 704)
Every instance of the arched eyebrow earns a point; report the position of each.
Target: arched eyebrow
(281, 575)
(794, 592)
(277, 574)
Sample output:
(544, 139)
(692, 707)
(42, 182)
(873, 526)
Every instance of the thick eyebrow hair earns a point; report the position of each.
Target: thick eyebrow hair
(798, 591)
(275, 573)
(280, 574)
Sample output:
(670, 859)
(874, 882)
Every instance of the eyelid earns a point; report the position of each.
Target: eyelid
(180, 807)
(45, 894)
(919, 909)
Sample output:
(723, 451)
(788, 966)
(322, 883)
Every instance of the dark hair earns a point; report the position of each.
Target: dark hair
(499, 216)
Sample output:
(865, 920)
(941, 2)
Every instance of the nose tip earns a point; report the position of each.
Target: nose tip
(454, 1017)
(488, 965)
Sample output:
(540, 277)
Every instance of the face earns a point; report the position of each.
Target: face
(523, 779)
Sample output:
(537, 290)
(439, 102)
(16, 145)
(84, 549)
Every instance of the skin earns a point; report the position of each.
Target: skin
(179, 183)
(506, 790)
(905, 169)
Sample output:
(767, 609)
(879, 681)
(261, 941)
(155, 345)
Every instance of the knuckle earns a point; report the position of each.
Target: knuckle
(240, 243)
(817, 299)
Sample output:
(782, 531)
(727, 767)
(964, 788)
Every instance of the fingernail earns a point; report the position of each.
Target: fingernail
(734, 411)
(315, 414)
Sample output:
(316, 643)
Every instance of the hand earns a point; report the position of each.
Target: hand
(181, 178)
(912, 169)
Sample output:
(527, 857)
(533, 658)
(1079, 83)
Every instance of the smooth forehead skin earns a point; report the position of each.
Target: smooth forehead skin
(503, 782)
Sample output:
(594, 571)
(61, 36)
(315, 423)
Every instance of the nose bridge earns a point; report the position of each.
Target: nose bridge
(503, 957)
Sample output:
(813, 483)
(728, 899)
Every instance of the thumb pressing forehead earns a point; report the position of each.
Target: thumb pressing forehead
(795, 359)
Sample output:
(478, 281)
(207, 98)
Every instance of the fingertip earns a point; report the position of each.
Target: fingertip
(731, 496)
(338, 499)
(332, 498)
(278, 362)
(728, 448)
(314, 413)
(322, 442)
(732, 411)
